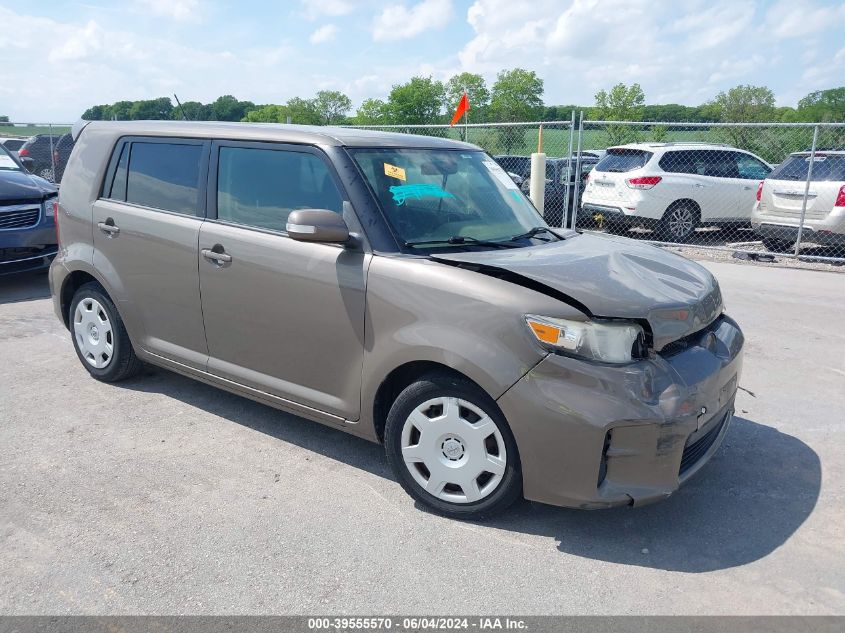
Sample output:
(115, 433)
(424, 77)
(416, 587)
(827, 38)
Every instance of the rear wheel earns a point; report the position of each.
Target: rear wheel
(451, 449)
(99, 336)
(678, 223)
(778, 246)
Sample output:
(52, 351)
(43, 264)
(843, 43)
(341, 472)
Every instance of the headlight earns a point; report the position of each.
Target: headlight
(609, 342)
(49, 209)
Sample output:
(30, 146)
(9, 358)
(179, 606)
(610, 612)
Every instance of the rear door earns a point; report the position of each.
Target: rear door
(146, 230)
(281, 316)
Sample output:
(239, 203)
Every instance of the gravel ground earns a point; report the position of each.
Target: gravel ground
(165, 496)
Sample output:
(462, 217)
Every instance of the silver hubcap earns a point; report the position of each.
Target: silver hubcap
(453, 450)
(92, 332)
(681, 222)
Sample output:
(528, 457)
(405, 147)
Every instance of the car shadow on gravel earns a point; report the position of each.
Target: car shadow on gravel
(24, 287)
(753, 495)
(288, 427)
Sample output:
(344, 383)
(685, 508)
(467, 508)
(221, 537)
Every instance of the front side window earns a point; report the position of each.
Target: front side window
(457, 196)
(164, 176)
(260, 187)
(750, 168)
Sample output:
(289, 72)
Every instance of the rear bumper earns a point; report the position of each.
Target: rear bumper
(594, 436)
(789, 233)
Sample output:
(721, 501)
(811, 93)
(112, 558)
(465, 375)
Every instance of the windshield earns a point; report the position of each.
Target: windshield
(622, 159)
(7, 163)
(431, 195)
(825, 167)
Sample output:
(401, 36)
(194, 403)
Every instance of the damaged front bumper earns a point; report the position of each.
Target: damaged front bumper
(593, 436)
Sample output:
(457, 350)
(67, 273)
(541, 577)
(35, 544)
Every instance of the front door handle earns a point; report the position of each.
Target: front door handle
(108, 227)
(216, 257)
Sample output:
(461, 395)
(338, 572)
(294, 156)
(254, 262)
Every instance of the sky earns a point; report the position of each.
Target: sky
(59, 58)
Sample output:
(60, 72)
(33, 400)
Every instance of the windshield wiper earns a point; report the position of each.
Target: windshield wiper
(534, 233)
(461, 239)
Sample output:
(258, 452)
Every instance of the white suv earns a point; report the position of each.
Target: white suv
(777, 213)
(673, 187)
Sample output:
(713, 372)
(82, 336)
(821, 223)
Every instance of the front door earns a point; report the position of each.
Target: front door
(281, 316)
(146, 231)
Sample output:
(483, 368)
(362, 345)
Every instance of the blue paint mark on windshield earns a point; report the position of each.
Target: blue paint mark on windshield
(402, 192)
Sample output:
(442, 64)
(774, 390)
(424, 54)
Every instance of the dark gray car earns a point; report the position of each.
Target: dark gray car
(400, 288)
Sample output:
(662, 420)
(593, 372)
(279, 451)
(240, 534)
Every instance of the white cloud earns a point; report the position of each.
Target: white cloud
(175, 9)
(325, 33)
(787, 19)
(313, 9)
(400, 22)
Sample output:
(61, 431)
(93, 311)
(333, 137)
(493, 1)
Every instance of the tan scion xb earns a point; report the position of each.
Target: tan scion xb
(400, 288)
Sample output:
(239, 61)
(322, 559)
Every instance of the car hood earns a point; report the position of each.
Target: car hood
(611, 278)
(19, 185)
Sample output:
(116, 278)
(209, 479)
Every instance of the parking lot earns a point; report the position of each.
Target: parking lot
(166, 496)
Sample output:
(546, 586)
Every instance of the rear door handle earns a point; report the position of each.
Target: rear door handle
(216, 257)
(108, 227)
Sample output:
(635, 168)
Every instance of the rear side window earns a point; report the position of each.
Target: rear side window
(623, 159)
(164, 176)
(825, 168)
(260, 187)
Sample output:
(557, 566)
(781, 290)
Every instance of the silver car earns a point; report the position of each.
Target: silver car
(400, 288)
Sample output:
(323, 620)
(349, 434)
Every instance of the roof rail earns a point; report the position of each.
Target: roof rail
(695, 143)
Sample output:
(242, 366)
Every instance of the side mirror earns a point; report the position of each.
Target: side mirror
(317, 225)
(28, 163)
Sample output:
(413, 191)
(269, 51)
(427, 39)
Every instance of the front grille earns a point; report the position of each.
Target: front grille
(695, 451)
(19, 216)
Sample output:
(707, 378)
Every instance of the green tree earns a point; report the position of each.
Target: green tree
(228, 108)
(745, 104)
(823, 106)
(621, 103)
(193, 111)
(517, 95)
(332, 107)
(372, 112)
(96, 113)
(479, 95)
(267, 114)
(120, 111)
(417, 102)
(303, 111)
(151, 109)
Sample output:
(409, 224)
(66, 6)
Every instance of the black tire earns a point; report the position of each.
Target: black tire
(445, 384)
(124, 363)
(679, 222)
(777, 246)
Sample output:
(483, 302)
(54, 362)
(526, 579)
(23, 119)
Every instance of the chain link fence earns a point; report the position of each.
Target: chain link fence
(760, 189)
(43, 148)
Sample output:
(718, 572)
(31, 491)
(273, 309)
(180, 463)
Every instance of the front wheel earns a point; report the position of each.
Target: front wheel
(451, 448)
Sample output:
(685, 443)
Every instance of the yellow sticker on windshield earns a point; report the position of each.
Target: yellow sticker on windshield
(394, 172)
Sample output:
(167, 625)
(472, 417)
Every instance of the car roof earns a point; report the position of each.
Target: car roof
(279, 132)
